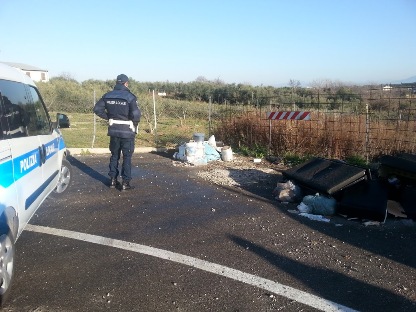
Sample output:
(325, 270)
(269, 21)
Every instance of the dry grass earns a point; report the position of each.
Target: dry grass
(330, 135)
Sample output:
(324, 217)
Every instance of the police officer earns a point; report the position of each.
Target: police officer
(121, 110)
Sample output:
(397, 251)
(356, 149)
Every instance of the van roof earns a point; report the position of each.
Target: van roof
(13, 74)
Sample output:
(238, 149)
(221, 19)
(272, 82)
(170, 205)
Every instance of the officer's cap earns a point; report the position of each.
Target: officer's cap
(122, 79)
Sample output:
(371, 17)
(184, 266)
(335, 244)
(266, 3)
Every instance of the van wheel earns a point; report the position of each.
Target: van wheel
(7, 250)
(64, 177)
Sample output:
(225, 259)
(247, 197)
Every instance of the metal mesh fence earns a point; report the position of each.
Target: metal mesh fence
(174, 122)
(367, 124)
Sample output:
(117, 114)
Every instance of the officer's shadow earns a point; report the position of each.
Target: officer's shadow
(88, 170)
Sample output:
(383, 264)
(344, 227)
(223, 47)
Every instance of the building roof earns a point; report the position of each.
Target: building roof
(24, 66)
(13, 74)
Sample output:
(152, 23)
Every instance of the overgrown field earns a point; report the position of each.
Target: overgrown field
(88, 131)
(354, 138)
(347, 137)
(347, 122)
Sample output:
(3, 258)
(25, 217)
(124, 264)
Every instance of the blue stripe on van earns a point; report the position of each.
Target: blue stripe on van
(51, 148)
(26, 163)
(61, 143)
(6, 173)
(36, 194)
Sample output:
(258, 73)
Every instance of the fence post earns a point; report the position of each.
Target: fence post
(270, 129)
(154, 108)
(367, 130)
(95, 129)
(209, 117)
(154, 116)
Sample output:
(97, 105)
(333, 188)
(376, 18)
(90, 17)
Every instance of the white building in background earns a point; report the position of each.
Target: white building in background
(387, 88)
(33, 72)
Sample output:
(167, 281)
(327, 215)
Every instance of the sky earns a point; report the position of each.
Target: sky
(257, 42)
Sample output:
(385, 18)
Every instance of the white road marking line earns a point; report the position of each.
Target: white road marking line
(253, 280)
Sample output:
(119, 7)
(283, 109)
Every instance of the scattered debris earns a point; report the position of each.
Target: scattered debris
(369, 223)
(320, 205)
(314, 217)
(303, 208)
(198, 152)
(352, 191)
(395, 209)
(226, 153)
(355, 193)
(287, 192)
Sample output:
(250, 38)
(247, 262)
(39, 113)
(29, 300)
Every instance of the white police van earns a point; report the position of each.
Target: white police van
(32, 162)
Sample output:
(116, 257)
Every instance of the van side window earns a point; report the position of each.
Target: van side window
(24, 111)
(14, 119)
(43, 125)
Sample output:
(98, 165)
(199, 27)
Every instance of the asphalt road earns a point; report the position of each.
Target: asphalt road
(178, 243)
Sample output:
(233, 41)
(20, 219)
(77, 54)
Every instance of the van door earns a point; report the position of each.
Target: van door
(26, 148)
(49, 143)
(8, 194)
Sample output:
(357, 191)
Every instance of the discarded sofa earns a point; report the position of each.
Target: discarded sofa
(352, 186)
(399, 173)
(325, 176)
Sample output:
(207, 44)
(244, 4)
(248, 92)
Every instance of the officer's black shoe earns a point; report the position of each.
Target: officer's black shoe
(114, 183)
(125, 186)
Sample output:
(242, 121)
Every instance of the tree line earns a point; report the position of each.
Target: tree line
(66, 94)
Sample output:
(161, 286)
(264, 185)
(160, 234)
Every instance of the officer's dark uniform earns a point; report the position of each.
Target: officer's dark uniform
(120, 108)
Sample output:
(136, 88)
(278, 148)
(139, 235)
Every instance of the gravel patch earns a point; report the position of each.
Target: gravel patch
(242, 172)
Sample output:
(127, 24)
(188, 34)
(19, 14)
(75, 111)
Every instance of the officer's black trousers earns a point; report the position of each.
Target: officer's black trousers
(125, 147)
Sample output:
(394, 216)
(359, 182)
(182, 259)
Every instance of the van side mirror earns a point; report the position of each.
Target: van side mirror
(62, 121)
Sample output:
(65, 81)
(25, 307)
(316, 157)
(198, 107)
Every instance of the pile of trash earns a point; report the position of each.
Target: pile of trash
(352, 191)
(315, 207)
(199, 152)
